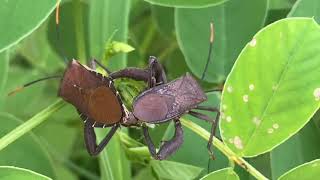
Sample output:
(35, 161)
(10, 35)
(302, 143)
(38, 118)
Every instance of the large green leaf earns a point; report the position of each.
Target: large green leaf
(26, 152)
(227, 174)
(306, 8)
(17, 21)
(307, 171)
(15, 173)
(186, 4)
(104, 20)
(273, 89)
(233, 26)
(174, 170)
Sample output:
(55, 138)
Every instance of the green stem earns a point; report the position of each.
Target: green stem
(173, 46)
(147, 40)
(30, 124)
(79, 31)
(223, 148)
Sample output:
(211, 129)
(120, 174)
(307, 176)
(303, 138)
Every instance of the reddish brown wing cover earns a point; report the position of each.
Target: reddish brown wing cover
(90, 94)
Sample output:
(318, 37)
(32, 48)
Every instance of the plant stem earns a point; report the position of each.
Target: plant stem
(79, 31)
(223, 148)
(173, 46)
(147, 40)
(30, 124)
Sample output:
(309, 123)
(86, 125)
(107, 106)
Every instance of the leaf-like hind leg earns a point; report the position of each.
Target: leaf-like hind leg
(90, 139)
(168, 147)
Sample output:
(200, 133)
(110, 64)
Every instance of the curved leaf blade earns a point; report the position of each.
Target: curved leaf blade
(10, 172)
(233, 29)
(175, 170)
(306, 8)
(272, 91)
(17, 22)
(34, 156)
(186, 4)
(227, 174)
(307, 171)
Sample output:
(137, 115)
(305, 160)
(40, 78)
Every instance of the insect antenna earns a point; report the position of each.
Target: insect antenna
(210, 50)
(18, 89)
(60, 48)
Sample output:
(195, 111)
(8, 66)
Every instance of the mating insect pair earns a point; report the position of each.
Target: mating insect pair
(99, 103)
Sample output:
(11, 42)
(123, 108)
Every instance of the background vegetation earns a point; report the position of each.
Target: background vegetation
(269, 123)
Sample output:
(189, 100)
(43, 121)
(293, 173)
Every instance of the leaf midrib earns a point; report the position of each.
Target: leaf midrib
(291, 58)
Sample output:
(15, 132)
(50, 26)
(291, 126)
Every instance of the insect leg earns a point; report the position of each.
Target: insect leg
(90, 139)
(213, 127)
(93, 66)
(156, 71)
(133, 73)
(168, 147)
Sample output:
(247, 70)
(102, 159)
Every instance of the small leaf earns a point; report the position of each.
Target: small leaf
(306, 8)
(307, 171)
(232, 30)
(174, 170)
(186, 4)
(15, 173)
(19, 18)
(115, 48)
(273, 89)
(227, 174)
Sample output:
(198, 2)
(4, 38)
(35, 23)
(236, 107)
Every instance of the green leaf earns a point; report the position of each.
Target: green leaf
(272, 91)
(114, 165)
(4, 68)
(115, 48)
(306, 8)
(164, 19)
(227, 174)
(73, 31)
(186, 4)
(281, 4)
(33, 122)
(26, 152)
(15, 173)
(300, 148)
(145, 173)
(38, 50)
(103, 21)
(232, 30)
(17, 22)
(307, 171)
(174, 170)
